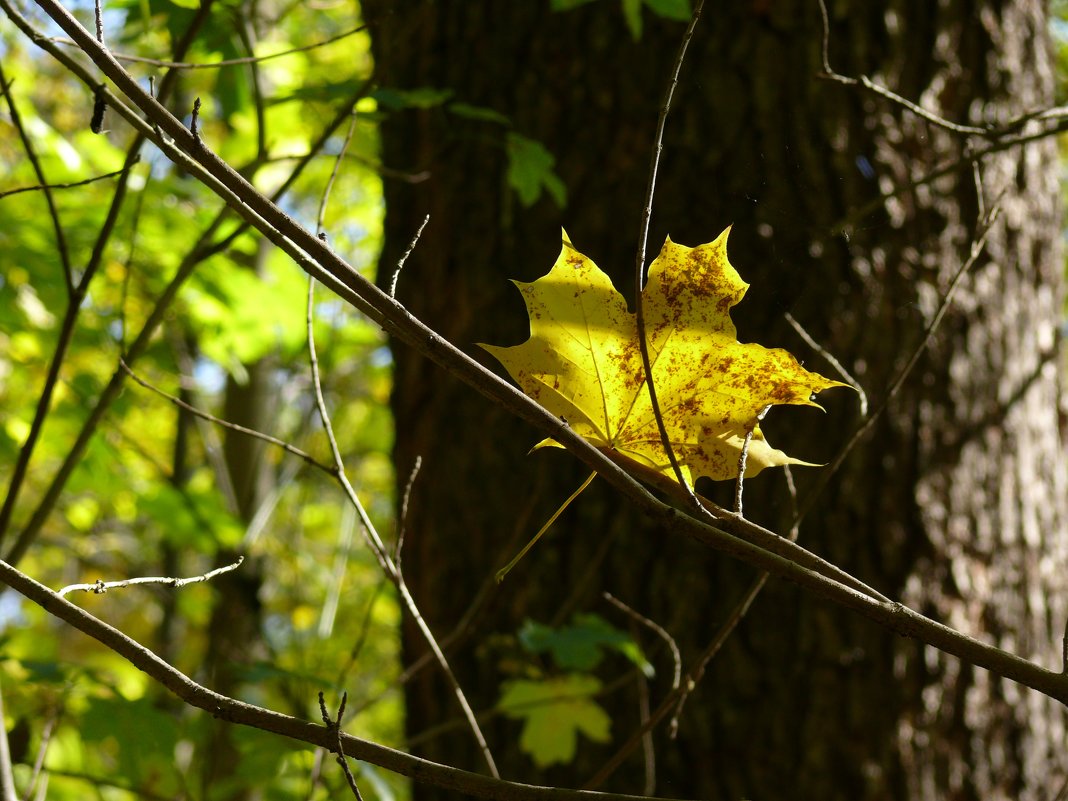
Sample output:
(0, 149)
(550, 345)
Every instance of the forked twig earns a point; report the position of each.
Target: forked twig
(71, 185)
(335, 727)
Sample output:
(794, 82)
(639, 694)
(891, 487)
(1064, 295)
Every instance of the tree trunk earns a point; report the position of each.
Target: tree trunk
(955, 503)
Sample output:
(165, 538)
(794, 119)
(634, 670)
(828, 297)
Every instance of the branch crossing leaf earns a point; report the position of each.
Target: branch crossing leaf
(582, 362)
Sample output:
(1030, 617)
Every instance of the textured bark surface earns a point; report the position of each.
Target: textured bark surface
(957, 501)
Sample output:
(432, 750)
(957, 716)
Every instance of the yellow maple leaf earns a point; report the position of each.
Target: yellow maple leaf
(582, 362)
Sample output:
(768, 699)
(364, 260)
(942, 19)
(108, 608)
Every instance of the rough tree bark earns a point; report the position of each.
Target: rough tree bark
(955, 504)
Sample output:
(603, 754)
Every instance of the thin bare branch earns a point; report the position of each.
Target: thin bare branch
(882, 91)
(99, 587)
(639, 259)
(333, 176)
(227, 62)
(377, 547)
(829, 357)
(657, 629)
(72, 185)
(402, 518)
(7, 774)
(42, 751)
(38, 170)
(181, 404)
(404, 257)
(743, 457)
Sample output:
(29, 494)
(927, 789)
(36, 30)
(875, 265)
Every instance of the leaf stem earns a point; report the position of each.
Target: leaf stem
(515, 560)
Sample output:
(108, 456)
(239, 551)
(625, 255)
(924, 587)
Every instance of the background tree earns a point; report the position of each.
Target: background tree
(955, 501)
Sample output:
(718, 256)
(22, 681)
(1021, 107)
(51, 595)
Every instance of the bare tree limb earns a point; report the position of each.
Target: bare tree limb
(234, 711)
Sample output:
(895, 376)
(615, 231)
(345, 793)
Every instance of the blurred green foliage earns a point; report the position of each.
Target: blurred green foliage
(557, 701)
(327, 621)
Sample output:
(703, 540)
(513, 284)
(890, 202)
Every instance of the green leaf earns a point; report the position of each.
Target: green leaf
(581, 645)
(471, 112)
(145, 736)
(554, 711)
(678, 10)
(567, 5)
(423, 97)
(531, 170)
(632, 14)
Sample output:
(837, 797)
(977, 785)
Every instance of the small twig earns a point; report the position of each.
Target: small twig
(96, 123)
(194, 121)
(320, 216)
(402, 522)
(38, 170)
(791, 488)
(829, 357)
(72, 185)
(743, 457)
(639, 263)
(42, 752)
(7, 774)
(228, 62)
(99, 587)
(1064, 649)
(378, 549)
(98, 16)
(648, 747)
(404, 257)
(181, 404)
(977, 177)
(656, 628)
(335, 727)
